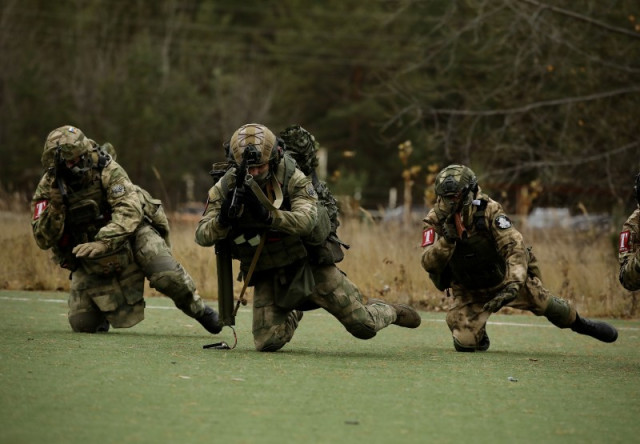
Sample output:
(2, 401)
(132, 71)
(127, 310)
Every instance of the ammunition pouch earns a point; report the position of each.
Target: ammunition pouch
(476, 264)
(110, 263)
(328, 253)
(292, 285)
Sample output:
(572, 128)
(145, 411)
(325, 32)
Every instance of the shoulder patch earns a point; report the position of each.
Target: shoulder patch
(117, 190)
(623, 243)
(428, 237)
(311, 191)
(503, 222)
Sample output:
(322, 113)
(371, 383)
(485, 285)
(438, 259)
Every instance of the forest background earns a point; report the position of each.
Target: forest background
(540, 99)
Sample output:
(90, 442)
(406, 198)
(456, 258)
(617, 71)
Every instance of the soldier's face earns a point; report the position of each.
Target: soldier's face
(258, 170)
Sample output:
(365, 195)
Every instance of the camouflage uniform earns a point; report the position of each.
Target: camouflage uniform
(491, 264)
(103, 208)
(629, 252)
(286, 278)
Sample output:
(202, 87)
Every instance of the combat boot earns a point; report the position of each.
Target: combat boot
(406, 316)
(209, 320)
(596, 329)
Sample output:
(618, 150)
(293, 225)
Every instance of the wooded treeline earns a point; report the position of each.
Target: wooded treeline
(520, 90)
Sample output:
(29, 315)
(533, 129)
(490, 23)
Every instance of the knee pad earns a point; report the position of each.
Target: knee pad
(559, 312)
(482, 346)
(361, 331)
(88, 322)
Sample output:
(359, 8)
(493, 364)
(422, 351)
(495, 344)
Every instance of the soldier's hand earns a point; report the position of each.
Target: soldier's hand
(223, 216)
(449, 229)
(503, 298)
(257, 209)
(90, 249)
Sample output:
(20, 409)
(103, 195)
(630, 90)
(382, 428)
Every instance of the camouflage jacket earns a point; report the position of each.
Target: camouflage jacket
(629, 252)
(507, 241)
(297, 217)
(126, 214)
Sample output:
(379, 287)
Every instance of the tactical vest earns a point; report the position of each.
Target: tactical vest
(476, 263)
(280, 249)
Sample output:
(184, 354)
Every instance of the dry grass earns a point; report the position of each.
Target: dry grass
(384, 261)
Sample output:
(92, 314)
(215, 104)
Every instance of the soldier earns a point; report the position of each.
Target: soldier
(628, 245)
(272, 229)
(110, 233)
(471, 246)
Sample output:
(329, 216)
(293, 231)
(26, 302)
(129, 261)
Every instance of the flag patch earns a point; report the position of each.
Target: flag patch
(428, 237)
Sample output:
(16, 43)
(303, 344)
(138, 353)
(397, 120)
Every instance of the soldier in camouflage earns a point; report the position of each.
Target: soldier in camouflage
(110, 233)
(629, 246)
(279, 220)
(471, 247)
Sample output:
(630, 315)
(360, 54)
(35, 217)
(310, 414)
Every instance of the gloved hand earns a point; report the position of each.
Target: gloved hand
(257, 209)
(223, 216)
(508, 294)
(450, 231)
(90, 249)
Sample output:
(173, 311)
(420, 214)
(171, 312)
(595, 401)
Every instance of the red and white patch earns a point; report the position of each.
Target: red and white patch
(428, 237)
(623, 242)
(41, 205)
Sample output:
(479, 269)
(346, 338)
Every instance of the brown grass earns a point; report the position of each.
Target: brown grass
(384, 261)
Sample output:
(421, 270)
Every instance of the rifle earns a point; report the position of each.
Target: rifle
(457, 216)
(58, 176)
(250, 155)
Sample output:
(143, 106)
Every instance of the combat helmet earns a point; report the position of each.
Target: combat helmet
(71, 142)
(456, 182)
(261, 143)
(302, 146)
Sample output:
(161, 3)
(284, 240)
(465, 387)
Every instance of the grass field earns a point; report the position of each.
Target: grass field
(155, 384)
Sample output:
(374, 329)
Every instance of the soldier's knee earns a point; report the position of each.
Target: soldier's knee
(559, 312)
(469, 343)
(361, 331)
(88, 322)
(170, 283)
(271, 344)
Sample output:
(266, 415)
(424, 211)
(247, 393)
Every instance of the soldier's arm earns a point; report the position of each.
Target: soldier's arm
(436, 251)
(209, 229)
(509, 242)
(126, 209)
(629, 252)
(47, 221)
(304, 212)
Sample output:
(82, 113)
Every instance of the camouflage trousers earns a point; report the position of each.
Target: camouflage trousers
(630, 273)
(467, 318)
(273, 326)
(119, 298)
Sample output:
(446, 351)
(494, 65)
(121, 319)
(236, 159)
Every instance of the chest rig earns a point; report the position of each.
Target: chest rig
(280, 249)
(476, 263)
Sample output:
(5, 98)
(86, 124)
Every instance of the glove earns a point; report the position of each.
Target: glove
(501, 299)
(223, 216)
(449, 229)
(90, 249)
(258, 211)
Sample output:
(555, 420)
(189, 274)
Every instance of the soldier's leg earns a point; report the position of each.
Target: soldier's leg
(467, 321)
(541, 302)
(272, 327)
(84, 315)
(340, 297)
(167, 276)
(106, 300)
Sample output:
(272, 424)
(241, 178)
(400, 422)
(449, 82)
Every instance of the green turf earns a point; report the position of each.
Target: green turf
(155, 384)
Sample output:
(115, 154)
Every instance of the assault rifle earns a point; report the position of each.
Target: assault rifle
(251, 155)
